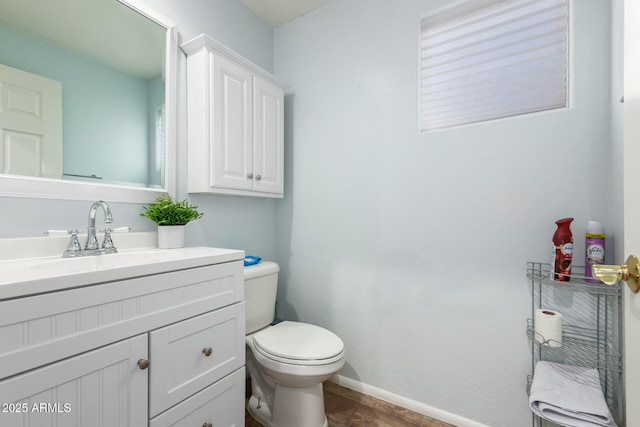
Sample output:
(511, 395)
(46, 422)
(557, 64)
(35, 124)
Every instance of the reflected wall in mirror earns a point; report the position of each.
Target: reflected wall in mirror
(110, 62)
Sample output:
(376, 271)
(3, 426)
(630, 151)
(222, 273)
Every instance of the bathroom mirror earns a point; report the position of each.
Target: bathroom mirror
(114, 64)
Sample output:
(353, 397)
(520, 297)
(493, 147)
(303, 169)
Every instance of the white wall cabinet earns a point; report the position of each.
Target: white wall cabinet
(78, 357)
(235, 123)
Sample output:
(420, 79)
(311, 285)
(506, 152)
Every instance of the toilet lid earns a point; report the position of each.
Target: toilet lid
(299, 343)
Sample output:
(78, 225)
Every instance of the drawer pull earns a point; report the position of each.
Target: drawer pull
(207, 351)
(143, 363)
(207, 425)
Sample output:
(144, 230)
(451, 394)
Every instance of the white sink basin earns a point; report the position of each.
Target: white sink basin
(103, 262)
(36, 275)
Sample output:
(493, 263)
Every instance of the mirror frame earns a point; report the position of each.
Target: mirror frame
(46, 188)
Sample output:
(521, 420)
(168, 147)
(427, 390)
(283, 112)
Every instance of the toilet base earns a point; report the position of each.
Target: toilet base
(292, 407)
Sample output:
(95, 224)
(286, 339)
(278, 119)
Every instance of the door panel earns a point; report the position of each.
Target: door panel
(30, 124)
(632, 202)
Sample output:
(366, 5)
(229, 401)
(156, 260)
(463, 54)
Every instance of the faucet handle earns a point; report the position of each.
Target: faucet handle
(60, 232)
(117, 230)
(107, 243)
(56, 232)
(74, 249)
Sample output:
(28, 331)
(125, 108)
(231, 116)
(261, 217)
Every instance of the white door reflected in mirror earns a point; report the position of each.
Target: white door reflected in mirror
(30, 124)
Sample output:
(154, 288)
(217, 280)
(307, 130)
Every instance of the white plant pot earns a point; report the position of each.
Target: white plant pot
(170, 236)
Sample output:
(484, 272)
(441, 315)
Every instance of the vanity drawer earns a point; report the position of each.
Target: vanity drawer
(221, 405)
(190, 355)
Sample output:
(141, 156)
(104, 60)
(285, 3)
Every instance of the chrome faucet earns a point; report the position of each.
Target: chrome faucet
(92, 247)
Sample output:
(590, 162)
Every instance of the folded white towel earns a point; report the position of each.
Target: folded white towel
(569, 396)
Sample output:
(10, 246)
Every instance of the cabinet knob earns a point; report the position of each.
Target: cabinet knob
(143, 363)
(250, 175)
(207, 351)
(207, 425)
(258, 177)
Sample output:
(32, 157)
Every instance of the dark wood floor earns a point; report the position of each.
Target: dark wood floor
(348, 408)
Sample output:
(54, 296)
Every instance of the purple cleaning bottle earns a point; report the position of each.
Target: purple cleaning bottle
(594, 245)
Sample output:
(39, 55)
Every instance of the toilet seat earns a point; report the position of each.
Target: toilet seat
(299, 344)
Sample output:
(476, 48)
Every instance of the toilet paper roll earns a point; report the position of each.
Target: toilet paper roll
(548, 327)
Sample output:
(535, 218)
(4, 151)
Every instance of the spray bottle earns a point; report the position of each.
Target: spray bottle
(562, 250)
(594, 245)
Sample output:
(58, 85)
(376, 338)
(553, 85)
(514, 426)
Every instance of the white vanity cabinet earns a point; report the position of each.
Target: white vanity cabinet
(235, 123)
(159, 349)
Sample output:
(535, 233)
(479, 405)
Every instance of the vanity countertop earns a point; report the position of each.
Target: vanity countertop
(46, 272)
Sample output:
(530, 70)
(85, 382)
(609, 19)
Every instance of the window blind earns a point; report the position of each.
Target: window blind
(160, 137)
(491, 59)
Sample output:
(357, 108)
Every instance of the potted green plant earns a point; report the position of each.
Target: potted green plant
(171, 216)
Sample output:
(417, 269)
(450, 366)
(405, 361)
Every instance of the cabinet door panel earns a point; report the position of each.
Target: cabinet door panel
(181, 364)
(268, 131)
(232, 132)
(104, 387)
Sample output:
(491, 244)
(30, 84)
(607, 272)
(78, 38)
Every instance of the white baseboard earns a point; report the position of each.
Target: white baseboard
(412, 405)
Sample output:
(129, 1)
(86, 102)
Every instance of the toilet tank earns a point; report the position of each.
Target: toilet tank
(260, 287)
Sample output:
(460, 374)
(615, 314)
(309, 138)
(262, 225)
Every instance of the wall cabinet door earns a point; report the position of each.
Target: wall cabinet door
(268, 136)
(232, 133)
(104, 387)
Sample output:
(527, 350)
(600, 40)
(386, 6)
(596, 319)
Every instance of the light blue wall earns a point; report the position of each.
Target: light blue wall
(615, 199)
(413, 247)
(227, 21)
(104, 111)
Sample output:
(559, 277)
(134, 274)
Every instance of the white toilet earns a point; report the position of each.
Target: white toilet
(287, 362)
